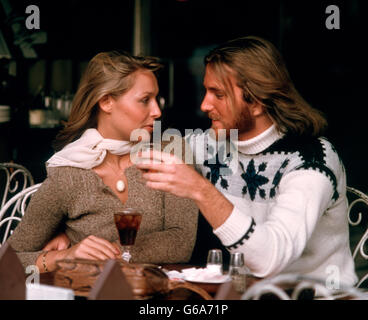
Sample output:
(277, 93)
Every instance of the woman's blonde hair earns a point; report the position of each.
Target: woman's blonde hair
(262, 75)
(108, 73)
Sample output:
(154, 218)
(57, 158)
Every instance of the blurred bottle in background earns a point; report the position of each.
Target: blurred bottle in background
(6, 92)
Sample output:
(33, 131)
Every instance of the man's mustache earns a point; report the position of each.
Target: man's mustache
(213, 117)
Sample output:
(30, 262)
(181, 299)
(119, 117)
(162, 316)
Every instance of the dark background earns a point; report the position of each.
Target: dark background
(328, 67)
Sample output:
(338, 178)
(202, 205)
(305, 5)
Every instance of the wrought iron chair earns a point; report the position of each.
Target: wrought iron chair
(13, 211)
(297, 287)
(13, 179)
(358, 220)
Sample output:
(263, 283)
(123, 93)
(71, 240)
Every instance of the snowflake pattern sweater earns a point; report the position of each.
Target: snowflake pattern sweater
(290, 205)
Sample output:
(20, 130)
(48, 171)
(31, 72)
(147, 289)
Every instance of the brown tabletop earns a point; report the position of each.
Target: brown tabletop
(182, 289)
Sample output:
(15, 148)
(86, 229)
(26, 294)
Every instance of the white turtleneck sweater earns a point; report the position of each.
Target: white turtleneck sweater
(290, 206)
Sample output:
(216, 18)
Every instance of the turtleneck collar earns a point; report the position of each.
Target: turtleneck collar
(260, 142)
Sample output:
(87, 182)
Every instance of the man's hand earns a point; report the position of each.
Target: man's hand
(172, 175)
(60, 242)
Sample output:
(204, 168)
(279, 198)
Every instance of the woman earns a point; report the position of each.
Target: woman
(117, 95)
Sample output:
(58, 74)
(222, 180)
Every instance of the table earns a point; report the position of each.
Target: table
(204, 291)
(210, 288)
(180, 290)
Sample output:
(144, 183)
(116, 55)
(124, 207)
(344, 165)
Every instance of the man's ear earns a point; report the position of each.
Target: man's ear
(256, 109)
(105, 103)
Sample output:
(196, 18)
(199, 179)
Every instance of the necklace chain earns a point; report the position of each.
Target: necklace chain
(120, 185)
(117, 174)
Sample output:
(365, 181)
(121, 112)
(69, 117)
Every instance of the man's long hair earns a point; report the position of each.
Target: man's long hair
(263, 77)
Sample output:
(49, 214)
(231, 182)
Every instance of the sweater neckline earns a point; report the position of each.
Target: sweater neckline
(260, 142)
(129, 173)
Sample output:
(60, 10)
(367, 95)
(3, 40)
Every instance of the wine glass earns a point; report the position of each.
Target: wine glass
(144, 153)
(127, 222)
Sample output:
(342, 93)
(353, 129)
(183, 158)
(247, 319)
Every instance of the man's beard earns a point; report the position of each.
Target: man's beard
(243, 122)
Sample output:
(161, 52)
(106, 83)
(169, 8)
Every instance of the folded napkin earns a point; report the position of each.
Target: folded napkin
(198, 275)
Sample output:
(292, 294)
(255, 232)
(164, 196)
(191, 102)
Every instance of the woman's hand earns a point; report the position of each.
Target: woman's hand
(94, 248)
(60, 242)
(172, 175)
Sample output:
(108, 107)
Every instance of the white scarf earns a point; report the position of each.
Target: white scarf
(88, 151)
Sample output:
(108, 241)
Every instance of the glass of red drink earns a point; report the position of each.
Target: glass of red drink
(127, 222)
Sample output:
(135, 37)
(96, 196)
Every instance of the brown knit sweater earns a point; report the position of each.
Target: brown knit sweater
(77, 202)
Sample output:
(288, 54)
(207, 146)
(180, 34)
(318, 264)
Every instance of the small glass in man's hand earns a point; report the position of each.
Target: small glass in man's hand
(127, 222)
(146, 153)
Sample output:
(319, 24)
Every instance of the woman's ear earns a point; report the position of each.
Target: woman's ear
(106, 103)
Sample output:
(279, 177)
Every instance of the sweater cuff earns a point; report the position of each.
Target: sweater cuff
(28, 258)
(237, 226)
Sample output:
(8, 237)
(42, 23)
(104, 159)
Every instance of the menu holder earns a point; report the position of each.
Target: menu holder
(226, 291)
(111, 284)
(12, 276)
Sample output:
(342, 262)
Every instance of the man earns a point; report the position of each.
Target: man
(284, 205)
